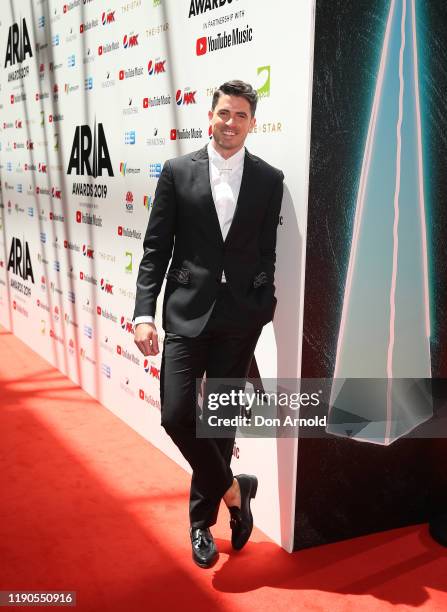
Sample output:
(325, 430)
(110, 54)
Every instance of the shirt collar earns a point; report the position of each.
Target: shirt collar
(233, 162)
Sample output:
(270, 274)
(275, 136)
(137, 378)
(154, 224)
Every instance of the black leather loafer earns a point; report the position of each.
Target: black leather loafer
(241, 521)
(204, 551)
(437, 528)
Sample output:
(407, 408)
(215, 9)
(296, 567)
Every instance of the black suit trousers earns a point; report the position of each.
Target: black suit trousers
(224, 349)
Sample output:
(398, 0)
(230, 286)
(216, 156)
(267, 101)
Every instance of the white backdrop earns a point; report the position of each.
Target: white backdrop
(94, 98)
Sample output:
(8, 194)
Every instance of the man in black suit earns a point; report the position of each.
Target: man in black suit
(216, 213)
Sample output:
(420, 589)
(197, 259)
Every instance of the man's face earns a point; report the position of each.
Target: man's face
(231, 121)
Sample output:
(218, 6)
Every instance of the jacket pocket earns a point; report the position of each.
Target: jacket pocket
(179, 275)
(260, 279)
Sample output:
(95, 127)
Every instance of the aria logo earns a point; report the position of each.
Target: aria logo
(185, 98)
(156, 66)
(20, 260)
(19, 45)
(84, 146)
(130, 41)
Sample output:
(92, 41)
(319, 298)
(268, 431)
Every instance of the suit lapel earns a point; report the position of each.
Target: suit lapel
(202, 176)
(248, 177)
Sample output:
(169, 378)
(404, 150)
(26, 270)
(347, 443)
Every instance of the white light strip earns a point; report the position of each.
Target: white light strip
(362, 185)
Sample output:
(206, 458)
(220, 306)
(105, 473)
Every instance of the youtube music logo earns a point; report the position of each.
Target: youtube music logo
(224, 40)
(201, 46)
(183, 133)
(88, 218)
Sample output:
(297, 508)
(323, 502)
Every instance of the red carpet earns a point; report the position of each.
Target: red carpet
(88, 505)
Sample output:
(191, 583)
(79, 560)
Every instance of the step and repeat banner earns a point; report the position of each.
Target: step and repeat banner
(94, 98)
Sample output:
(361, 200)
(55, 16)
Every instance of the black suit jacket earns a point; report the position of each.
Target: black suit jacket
(184, 223)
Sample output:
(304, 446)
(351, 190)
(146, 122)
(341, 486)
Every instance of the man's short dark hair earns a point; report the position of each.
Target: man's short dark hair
(237, 88)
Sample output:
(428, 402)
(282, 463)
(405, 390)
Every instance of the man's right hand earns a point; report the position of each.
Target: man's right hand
(146, 338)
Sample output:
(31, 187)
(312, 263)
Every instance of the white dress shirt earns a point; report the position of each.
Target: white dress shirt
(225, 181)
